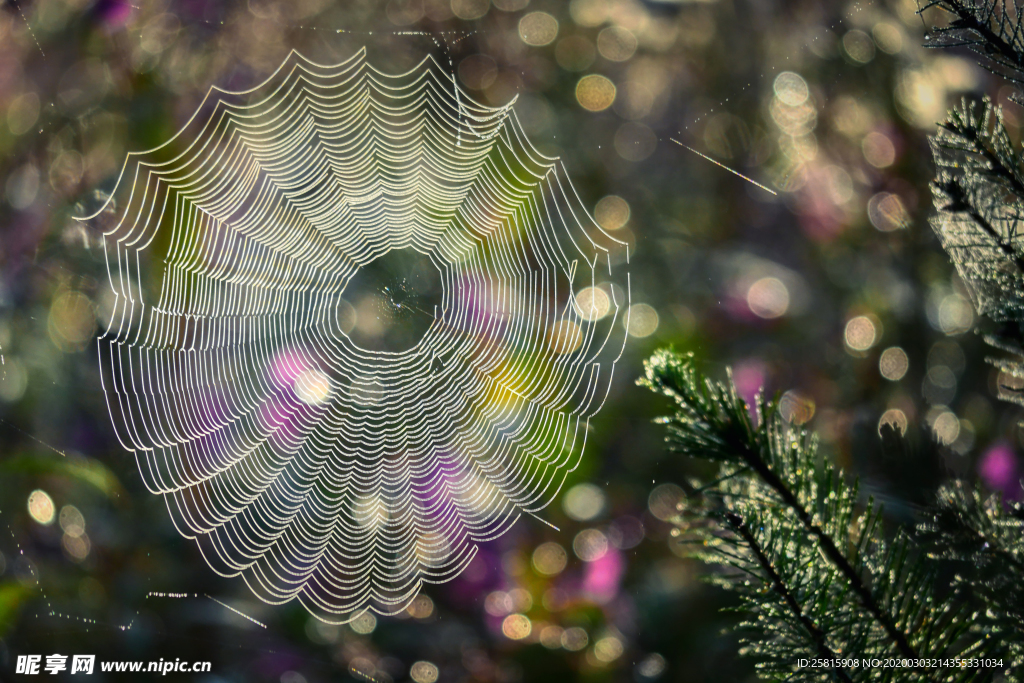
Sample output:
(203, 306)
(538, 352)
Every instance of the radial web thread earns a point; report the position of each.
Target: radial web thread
(317, 468)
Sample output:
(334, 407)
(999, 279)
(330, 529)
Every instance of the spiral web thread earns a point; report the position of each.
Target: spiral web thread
(317, 469)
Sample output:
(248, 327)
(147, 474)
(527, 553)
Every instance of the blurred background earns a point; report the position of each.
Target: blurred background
(830, 291)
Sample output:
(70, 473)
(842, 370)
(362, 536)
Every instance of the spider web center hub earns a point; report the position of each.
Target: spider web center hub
(394, 300)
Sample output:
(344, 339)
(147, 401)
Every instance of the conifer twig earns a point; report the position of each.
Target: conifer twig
(830, 581)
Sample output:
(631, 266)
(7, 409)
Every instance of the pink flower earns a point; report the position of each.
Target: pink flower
(602, 577)
(112, 13)
(999, 469)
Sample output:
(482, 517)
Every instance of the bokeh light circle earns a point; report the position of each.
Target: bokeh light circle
(664, 501)
(642, 320)
(590, 545)
(895, 418)
(424, 672)
(616, 44)
(861, 333)
(612, 212)
(791, 88)
(584, 502)
(41, 507)
(549, 558)
(516, 626)
(594, 303)
(538, 28)
(768, 298)
(893, 363)
(595, 92)
(575, 639)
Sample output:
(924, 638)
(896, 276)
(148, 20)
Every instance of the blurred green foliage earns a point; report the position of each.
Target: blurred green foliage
(86, 470)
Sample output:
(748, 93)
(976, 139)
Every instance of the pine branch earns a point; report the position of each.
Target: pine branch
(979, 194)
(983, 537)
(811, 560)
(979, 190)
(818, 637)
(753, 455)
(991, 29)
(958, 202)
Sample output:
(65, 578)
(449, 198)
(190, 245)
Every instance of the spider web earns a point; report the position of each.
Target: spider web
(318, 469)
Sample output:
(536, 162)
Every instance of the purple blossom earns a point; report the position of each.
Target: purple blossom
(999, 469)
